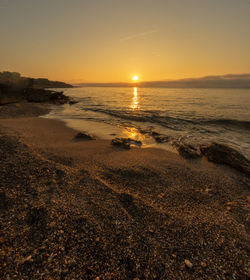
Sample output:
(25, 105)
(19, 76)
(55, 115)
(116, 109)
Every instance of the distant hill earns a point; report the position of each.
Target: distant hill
(14, 79)
(224, 81)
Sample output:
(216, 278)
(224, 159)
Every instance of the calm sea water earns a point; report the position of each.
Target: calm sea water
(196, 116)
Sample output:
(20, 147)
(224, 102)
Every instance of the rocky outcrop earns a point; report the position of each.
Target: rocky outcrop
(83, 136)
(220, 153)
(45, 96)
(9, 94)
(8, 99)
(187, 150)
(159, 138)
(125, 142)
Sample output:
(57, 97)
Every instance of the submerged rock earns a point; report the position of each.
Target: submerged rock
(83, 136)
(134, 142)
(72, 102)
(121, 142)
(220, 153)
(187, 150)
(125, 142)
(159, 138)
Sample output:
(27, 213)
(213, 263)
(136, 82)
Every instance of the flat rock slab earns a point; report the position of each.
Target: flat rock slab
(220, 153)
(187, 150)
(125, 142)
(83, 136)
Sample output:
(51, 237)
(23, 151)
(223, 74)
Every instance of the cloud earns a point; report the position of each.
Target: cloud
(138, 35)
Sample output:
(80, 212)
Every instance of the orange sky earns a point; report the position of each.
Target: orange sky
(112, 40)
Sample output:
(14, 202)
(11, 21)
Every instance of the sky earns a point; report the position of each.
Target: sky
(113, 40)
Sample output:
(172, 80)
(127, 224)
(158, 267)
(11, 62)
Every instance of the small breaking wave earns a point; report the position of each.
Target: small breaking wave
(170, 122)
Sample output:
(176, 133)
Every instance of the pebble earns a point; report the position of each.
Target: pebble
(188, 263)
(203, 264)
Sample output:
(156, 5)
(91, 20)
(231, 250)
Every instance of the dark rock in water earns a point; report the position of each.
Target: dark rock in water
(121, 142)
(134, 142)
(147, 131)
(125, 142)
(220, 153)
(159, 138)
(154, 133)
(72, 102)
(83, 136)
(186, 150)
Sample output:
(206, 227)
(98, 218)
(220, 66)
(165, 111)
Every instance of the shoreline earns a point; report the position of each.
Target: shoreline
(123, 120)
(90, 210)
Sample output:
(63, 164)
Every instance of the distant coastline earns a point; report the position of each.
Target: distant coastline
(225, 81)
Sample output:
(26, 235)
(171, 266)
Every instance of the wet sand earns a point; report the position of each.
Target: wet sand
(88, 210)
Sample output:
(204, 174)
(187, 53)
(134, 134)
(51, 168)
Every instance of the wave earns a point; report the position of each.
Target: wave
(169, 122)
(229, 122)
(165, 121)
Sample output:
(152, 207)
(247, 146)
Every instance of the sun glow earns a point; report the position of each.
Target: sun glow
(135, 78)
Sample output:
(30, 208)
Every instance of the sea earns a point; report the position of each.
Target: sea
(192, 116)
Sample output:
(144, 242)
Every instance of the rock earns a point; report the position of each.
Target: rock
(224, 154)
(82, 136)
(154, 133)
(8, 95)
(72, 102)
(159, 138)
(134, 142)
(45, 96)
(11, 94)
(125, 142)
(121, 142)
(186, 150)
(203, 264)
(188, 263)
(7, 100)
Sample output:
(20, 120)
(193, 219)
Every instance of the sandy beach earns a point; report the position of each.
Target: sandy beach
(89, 210)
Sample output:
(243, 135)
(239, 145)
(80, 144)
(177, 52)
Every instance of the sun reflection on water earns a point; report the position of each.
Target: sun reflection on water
(135, 104)
(132, 133)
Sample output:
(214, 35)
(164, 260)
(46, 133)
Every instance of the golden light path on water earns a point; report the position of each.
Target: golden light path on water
(131, 132)
(135, 104)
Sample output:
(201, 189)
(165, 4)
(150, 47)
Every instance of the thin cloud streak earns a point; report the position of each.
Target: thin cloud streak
(138, 35)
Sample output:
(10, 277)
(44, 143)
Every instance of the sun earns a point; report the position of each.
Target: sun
(135, 78)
